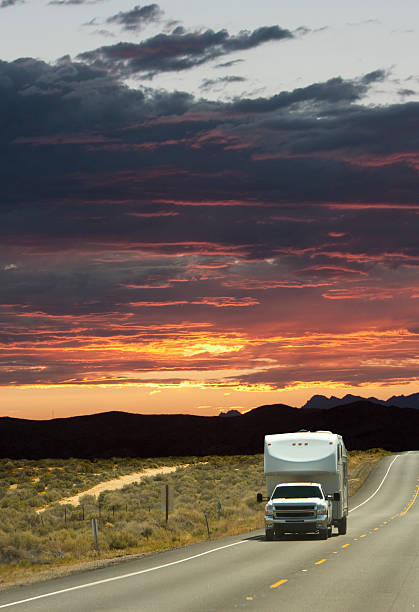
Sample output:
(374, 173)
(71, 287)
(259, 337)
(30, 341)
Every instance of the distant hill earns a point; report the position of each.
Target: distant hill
(230, 413)
(404, 401)
(322, 402)
(363, 425)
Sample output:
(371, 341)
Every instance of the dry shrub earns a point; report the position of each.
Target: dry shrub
(131, 518)
(119, 539)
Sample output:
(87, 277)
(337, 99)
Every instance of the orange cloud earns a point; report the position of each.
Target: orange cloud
(218, 302)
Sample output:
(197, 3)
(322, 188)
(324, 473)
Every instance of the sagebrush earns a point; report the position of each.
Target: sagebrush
(221, 490)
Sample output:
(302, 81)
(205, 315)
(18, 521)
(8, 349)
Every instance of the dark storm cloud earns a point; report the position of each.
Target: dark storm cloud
(140, 169)
(81, 138)
(7, 3)
(179, 50)
(406, 92)
(73, 2)
(333, 91)
(356, 130)
(138, 17)
(210, 83)
(105, 33)
(37, 99)
(229, 64)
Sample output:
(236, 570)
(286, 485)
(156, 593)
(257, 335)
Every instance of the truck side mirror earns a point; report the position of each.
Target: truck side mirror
(259, 498)
(333, 497)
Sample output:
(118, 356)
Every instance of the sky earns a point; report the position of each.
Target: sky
(206, 206)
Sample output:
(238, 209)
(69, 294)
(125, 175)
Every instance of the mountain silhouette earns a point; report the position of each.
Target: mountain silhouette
(363, 425)
(322, 402)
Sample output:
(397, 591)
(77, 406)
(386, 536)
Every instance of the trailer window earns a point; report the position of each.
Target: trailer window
(297, 491)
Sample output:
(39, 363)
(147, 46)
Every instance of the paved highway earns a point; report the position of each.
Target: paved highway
(375, 567)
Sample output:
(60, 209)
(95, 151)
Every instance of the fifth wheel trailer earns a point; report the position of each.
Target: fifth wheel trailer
(314, 467)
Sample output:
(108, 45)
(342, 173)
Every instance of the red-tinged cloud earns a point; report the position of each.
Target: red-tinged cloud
(130, 147)
(230, 361)
(208, 266)
(217, 302)
(227, 203)
(332, 271)
(373, 206)
(150, 215)
(382, 257)
(408, 158)
(148, 236)
(62, 139)
(371, 293)
(264, 285)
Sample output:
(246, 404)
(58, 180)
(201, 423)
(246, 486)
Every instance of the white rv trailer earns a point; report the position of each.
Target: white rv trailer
(317, 457)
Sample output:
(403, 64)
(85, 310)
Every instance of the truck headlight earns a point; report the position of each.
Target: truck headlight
(321, 510)
(269, 511)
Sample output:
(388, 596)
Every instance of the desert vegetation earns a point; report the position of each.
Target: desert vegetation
(218, 493)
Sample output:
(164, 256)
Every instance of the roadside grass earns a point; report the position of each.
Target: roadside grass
(360, 464)
(220, 490)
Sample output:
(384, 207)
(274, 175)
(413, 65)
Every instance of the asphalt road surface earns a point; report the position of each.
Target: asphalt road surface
(375, 567)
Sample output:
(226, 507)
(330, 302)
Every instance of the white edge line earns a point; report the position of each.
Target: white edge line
(379, 486)
(105, 580)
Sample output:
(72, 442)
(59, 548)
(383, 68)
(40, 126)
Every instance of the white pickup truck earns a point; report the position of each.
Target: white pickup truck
(306, 483)
(298, 508)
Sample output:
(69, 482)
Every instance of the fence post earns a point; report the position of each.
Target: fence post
(95, 533)
(206, 520)
(219, 509)
(166, 499)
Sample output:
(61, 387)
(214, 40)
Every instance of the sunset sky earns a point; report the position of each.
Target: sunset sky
(207, 206)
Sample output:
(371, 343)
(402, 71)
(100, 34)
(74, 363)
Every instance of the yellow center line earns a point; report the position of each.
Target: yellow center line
(375, 528)
(411, 503)
(385, 522)
(277, 584)
(321, 561)
(364, 535)
(345, 545)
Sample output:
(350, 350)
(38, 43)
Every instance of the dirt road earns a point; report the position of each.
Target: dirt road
(115, 483)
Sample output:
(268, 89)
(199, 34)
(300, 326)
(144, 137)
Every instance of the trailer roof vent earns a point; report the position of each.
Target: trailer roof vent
(303, 430)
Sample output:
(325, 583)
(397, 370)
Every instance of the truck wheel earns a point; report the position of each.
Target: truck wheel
(323, 533)
(342, 526)
(269, 534)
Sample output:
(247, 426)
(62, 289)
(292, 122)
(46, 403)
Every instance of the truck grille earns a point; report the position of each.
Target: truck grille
(306, 511)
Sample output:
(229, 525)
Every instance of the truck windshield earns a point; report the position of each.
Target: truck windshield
(297, 491)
